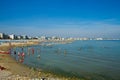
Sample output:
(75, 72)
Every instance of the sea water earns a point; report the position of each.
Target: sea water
(93, 60)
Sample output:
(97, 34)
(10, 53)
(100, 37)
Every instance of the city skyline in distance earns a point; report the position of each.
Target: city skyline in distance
(72, 18)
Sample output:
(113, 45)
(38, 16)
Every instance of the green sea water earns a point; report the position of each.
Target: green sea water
(92, 60)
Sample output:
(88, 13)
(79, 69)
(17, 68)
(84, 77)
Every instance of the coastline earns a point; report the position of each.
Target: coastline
(15, 70)
(10, 68)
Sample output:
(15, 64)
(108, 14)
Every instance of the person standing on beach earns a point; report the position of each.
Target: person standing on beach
(10, 51)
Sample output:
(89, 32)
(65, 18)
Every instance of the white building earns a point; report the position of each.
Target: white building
(24, 37)
(99, 38)
(12, 36)
(42, 38)
(1, 35)
(62, 38)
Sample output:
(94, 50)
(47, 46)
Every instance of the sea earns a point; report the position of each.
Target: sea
(88, 59)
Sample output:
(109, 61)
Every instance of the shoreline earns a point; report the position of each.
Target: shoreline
(12, 68)
(19, 70)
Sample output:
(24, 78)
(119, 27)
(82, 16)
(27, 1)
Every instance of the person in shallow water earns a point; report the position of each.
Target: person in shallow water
(22, 49)
(14, 52)
(21, 60)
(38, 50)
(18, 56)
(28, 51)
(18, 53)
(23, 55)
(32, 50)
(15, 55)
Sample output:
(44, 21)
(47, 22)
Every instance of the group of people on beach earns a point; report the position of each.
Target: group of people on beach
(19, 56)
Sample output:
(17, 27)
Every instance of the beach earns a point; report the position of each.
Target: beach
(10, 69)
(61, 60)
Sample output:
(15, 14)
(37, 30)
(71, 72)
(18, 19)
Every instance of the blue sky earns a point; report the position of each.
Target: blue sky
(75, 18)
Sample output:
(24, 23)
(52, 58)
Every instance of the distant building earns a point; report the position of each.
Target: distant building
(48, 38)
(34, 37)
(29, 37)
(62, 38)
(99, 38)
(70, 38)
(1, 35)
(24, 37)
(6, 36)
(42, 38)
(12, 36)
(19, 37)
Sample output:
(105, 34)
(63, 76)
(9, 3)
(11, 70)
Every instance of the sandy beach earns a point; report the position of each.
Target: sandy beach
(10, 69)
